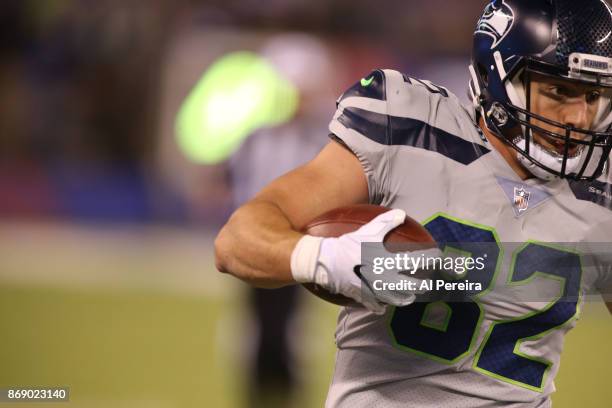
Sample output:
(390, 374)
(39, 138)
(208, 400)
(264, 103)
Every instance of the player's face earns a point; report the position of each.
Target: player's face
(566, 102)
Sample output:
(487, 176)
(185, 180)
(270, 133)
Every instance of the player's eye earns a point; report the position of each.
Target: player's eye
(556, 92)
(593, 97)
(559, 90)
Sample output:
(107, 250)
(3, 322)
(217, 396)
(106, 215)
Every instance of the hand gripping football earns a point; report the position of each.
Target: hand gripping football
(347, 219)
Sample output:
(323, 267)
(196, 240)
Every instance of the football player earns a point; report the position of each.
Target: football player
(526, 162)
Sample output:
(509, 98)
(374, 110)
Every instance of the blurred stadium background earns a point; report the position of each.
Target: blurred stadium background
(130, 130)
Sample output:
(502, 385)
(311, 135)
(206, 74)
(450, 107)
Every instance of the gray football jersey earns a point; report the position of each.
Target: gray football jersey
(421, 151)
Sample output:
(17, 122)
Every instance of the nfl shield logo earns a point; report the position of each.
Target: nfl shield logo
(521, 198)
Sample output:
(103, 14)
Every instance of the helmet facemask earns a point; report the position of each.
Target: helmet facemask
(566, 40)
(547, 148)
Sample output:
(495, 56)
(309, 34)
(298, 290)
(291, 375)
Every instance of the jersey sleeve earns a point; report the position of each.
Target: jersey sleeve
(359, 124)
(398, 126)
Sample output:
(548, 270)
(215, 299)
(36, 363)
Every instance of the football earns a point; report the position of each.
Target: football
(343, 220)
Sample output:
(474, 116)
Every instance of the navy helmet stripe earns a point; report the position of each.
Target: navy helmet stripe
(410, 132)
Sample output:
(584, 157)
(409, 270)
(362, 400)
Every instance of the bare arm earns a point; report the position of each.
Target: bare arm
(256, 243)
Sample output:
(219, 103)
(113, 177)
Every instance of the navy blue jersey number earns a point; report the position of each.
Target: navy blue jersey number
(430, 86)
(499, 355)
(452, 336)
(450, 342)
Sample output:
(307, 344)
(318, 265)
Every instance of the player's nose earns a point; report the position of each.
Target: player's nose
(576, 114)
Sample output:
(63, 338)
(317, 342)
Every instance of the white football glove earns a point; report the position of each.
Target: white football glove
(331, 263)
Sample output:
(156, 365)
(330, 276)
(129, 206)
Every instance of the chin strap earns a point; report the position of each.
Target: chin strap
(474, 90)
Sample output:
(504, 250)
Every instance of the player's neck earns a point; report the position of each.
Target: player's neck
(506, 152)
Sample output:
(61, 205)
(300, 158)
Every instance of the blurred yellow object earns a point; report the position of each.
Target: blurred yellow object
(238, 94)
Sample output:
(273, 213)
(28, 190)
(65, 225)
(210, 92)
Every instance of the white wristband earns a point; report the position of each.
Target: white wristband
(304, 258)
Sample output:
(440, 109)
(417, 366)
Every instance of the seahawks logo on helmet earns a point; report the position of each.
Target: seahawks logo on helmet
(496, 21)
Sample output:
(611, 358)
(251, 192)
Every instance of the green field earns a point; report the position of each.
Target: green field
(134, 349)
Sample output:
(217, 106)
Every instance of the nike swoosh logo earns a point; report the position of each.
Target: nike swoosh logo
(357, 270)
(367, 82)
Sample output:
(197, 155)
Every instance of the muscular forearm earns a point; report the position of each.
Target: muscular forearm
(256, 244)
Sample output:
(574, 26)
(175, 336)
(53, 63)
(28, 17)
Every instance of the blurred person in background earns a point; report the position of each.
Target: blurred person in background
(265, 155)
